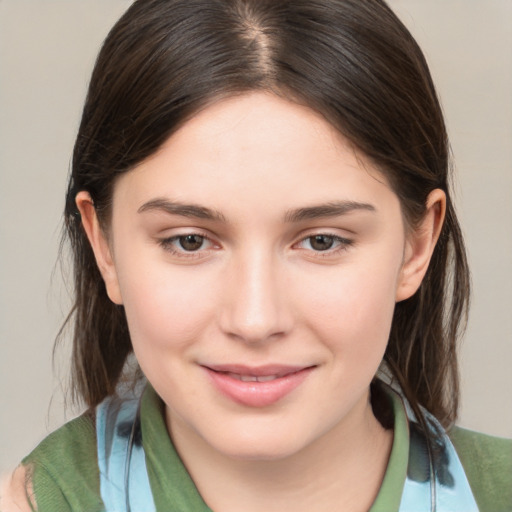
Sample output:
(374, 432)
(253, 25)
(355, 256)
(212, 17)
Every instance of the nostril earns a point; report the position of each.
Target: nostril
(250, 336)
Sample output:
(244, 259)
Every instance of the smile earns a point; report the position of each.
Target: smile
(257, 386)
(253, 378)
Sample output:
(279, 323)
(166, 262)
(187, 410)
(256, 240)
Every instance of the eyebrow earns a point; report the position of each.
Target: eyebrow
(331, 209)
(185, 210)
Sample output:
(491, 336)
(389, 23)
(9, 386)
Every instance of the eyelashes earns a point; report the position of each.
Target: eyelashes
(325, 243)
(197, 245)
(188, 245)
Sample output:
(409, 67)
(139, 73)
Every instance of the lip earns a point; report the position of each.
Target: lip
(274, 382)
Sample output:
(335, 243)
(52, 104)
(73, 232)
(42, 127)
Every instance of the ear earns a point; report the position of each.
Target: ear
(420, 245)
(100, 245)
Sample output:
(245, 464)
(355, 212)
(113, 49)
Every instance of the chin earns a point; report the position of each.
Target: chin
(265, 444)
(262, 452)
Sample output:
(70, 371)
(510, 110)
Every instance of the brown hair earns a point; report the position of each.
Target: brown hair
(352, 61)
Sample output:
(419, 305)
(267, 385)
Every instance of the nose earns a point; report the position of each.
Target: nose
(255, 308)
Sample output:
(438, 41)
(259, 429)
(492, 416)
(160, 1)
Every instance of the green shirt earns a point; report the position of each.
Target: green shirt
(64, 468)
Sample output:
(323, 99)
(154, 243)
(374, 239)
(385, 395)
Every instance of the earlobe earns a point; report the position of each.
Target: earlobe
(420, 245)
(100, 245)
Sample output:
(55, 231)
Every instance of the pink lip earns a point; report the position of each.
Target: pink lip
(255, 393)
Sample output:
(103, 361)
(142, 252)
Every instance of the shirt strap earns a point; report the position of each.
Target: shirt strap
(436, 481)
(124, 482)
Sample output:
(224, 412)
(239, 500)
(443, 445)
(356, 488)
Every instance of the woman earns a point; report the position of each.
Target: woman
(259, 210)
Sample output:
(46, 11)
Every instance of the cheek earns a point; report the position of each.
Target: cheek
(353, 311)
(165, 309)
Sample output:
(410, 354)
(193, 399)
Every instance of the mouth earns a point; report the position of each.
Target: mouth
(257, 386)
(253, 378)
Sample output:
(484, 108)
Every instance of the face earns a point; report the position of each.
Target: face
(259, 260)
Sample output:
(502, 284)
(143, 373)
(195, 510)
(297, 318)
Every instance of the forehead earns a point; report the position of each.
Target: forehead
(257, 152)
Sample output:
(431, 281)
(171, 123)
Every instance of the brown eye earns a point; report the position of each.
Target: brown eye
(191, 242)
(321, 242)
(189, 245)
(324, 244)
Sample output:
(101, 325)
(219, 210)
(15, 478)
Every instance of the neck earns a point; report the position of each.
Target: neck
(341, 470)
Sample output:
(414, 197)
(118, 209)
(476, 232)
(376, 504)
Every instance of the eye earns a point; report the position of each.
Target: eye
(190, 243)
(187, 245)
(321, 242)
(324, 243)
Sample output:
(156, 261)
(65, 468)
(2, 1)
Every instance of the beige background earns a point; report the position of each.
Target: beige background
(47, 48)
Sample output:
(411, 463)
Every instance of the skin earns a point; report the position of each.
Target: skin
(257, 291)
(14, 492)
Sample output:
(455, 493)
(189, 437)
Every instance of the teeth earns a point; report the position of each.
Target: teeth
(267, 378)
(248, 378)
(253, 378)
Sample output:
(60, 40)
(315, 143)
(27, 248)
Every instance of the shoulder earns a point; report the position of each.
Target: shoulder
(63, 471)
(71, 447)
(15, 492)
(483, 452)
(487, 461)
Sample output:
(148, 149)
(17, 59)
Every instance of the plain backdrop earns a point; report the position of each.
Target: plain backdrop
(47, 49)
